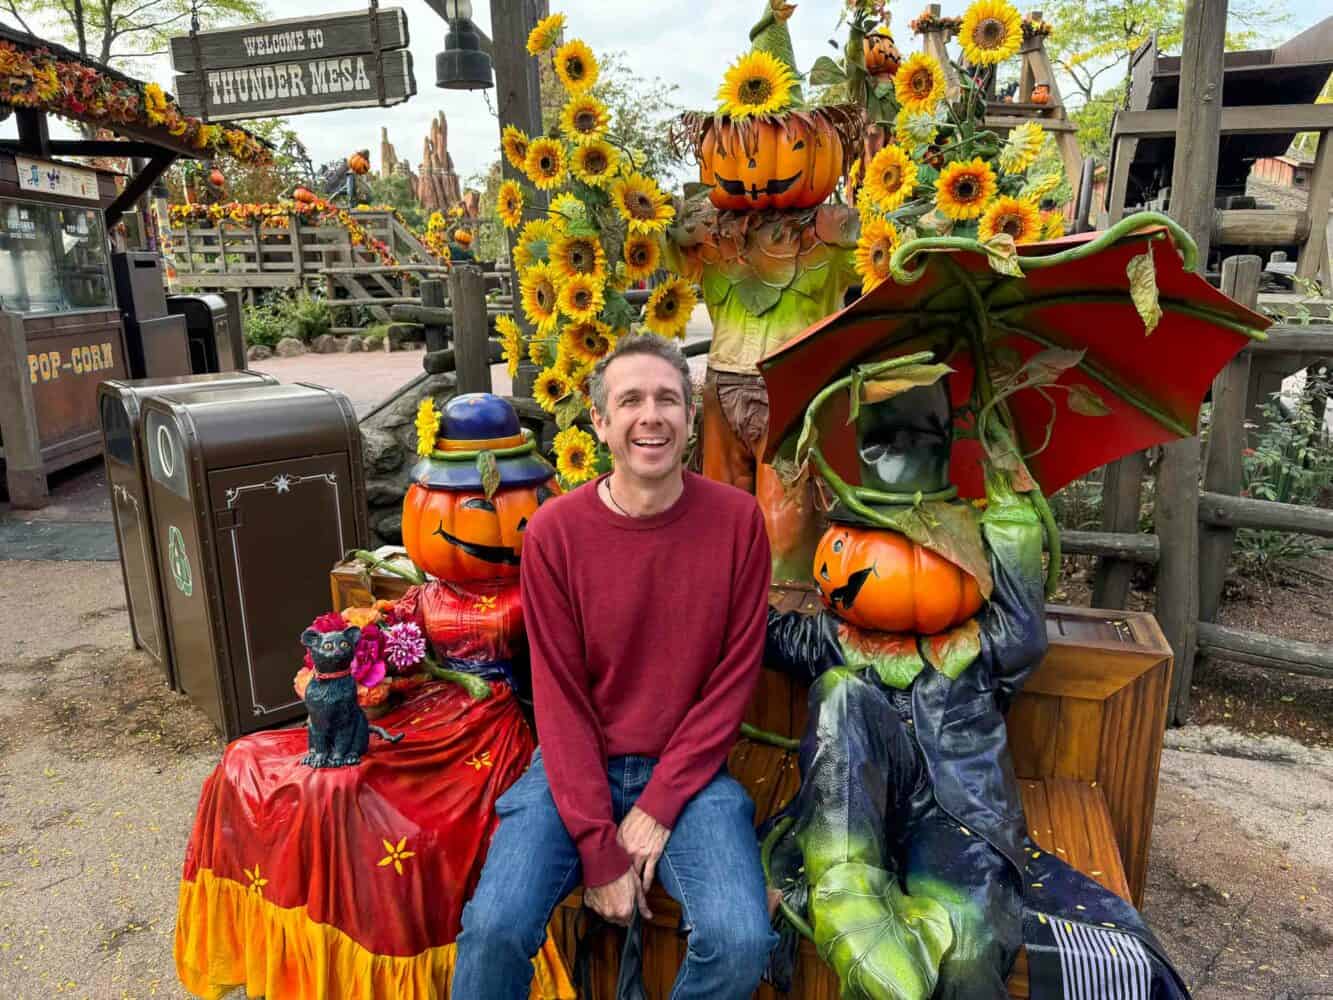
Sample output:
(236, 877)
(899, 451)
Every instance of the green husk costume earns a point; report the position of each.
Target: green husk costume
(771, 257)
(905, 854)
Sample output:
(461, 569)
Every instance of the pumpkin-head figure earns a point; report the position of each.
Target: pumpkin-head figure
(880, 53)
(877, 578)
(764, 148)
(468, 506)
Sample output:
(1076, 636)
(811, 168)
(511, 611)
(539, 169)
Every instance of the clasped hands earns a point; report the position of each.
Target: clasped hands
(644, 839)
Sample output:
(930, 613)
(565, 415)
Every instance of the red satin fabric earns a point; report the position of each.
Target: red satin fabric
(480, 622)
(320, 838)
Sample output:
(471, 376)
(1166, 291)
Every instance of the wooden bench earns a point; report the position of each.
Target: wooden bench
(1086, 735)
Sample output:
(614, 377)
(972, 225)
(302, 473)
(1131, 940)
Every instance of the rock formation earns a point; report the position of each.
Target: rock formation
(437, 186)
(388, 155)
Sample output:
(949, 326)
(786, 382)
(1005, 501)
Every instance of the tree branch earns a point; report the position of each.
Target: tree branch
(9, 6)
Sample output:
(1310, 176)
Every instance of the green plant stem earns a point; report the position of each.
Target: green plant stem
(1104, 298)
(473, 685)
(412, 575)
(771, 739)
(765, 860)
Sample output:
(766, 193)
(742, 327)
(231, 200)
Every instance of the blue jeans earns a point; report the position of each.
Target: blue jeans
(710, 866)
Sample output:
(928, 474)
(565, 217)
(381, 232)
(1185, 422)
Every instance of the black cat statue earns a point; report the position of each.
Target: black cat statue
(338, 728)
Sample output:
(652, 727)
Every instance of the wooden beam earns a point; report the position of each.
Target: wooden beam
(139, 185)
(1136, 548)
(1122, 483)
(432, 301)
(1259, 119)
(1223, 470)
(1313, 258)
(25, 472)
(34, 137)
(87, 147)
(1260, 227)
(1312, 659)
(1309, 342)
(1265, 515)
(467, 292)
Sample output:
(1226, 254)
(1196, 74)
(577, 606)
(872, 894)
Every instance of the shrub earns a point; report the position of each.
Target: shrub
(303, 316)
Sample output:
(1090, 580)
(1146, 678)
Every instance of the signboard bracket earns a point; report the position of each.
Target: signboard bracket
(199, 70)
(374, 11)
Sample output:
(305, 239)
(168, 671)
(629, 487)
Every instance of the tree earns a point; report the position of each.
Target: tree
(116, 30)
(396, 190)
(291, 166)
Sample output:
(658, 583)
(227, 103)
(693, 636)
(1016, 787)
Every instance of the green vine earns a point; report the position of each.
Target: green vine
(765, 860)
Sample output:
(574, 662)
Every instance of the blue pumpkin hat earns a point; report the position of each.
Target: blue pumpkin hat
(476, 444)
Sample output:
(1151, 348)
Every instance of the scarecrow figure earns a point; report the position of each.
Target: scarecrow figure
(907, 846)
(772, 259)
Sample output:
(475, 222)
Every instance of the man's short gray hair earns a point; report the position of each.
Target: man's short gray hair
(641, 343)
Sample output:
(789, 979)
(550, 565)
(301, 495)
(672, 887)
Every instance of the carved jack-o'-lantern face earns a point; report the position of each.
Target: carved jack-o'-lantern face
(880, 580)
(791, 163)
(880, 53)
(466, 536)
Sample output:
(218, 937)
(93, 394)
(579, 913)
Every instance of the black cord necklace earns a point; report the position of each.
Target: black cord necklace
(612, 498)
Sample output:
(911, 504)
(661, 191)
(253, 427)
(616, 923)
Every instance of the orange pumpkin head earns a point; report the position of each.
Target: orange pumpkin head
(216, 177)
(880, 53)
(880, 580)
(358, 163)
(791, 162)
(304, 195)
(463, 536)
(1041, 94)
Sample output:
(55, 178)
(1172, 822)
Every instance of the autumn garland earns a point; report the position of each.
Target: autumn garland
(42, 81)
(278, 214)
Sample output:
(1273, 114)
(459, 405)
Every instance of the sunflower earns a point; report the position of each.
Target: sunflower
(540, 292)
(564, 209)
(514, 141)
(534, 243)
(991, 32)
(587, 343)
(509, 204)
(578, 254)
(595, 163)
(669, 308)
(1038, 188)
(964, 189)
(874, 250)
(581, 297)
(919, 84)
(576, 66)
(545, 34)
(758, 83)
(428, 426)
(642, 204)
(1052, 224)
(540, 351)
(890, 178)
(1022, 148)
(642, 255)
(575, 456)
(584, 119)
(545, 165)
(1013, 216)
(511, 341)
(549, 388)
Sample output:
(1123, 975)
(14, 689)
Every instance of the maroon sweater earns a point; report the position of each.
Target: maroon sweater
(647, 636)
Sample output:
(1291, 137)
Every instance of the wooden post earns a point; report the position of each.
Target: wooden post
(1226, 439)
(1313, 258)
(432, 296)
(1121, 483)
(1193, 184)
(25, 473)
(518, 97)
(467, 294)
(298, 255)
(933, 43)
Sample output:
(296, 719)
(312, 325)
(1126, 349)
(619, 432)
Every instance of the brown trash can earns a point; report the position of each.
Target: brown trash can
(119, 407)
(255, 493)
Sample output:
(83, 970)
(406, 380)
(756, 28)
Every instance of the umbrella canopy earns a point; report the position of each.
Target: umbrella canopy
(1097, 345)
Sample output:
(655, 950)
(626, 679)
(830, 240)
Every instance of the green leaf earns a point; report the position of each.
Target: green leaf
(883, 90)
(1046, 367)
(1005, 364)
(617, 312)
(899, 380)
(567, 411)
(1084, 400)
(716, 286)
(1002, 255)
(757, 297)
(826, 73)
(954, 651)
(1143, 290)
(694, 190)
(809, 435)
(490, 473)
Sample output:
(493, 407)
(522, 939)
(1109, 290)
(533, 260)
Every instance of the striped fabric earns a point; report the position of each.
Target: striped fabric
(1097, 963)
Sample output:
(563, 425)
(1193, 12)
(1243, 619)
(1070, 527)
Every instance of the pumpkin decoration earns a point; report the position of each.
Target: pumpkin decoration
(304, 195)
(359, 163)
(882, 581)
(216, 177)
(758, 164)
(880, 53)
(464, 536)
(463, 237)
(1041, 94)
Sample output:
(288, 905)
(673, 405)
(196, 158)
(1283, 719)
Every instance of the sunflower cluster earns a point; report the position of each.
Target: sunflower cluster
(941, 171)
(601, 233)
(41, 80)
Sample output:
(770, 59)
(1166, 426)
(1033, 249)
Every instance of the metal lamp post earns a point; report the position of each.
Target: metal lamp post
(463, 65)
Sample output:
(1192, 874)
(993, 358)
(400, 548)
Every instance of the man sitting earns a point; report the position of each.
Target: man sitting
(645, 596)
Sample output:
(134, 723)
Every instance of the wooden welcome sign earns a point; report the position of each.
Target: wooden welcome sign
(287, 67)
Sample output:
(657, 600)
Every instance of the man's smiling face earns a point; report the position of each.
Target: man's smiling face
(647, 418)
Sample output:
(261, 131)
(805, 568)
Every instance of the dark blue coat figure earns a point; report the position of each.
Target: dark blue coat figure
(906, 849)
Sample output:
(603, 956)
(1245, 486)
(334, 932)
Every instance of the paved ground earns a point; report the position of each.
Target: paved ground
(100, 769)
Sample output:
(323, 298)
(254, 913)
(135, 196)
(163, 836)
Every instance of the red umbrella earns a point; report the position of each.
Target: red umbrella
(1069, 337)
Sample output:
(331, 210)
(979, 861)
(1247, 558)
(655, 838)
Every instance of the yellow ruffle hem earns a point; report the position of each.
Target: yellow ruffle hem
(234, 937)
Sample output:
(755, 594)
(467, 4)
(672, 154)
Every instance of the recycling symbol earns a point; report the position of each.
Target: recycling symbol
(180, 562)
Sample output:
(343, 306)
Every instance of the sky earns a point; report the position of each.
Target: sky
(688, 42)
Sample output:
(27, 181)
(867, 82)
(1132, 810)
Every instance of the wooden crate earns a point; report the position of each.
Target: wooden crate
(353, 585)
(1086, 735)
